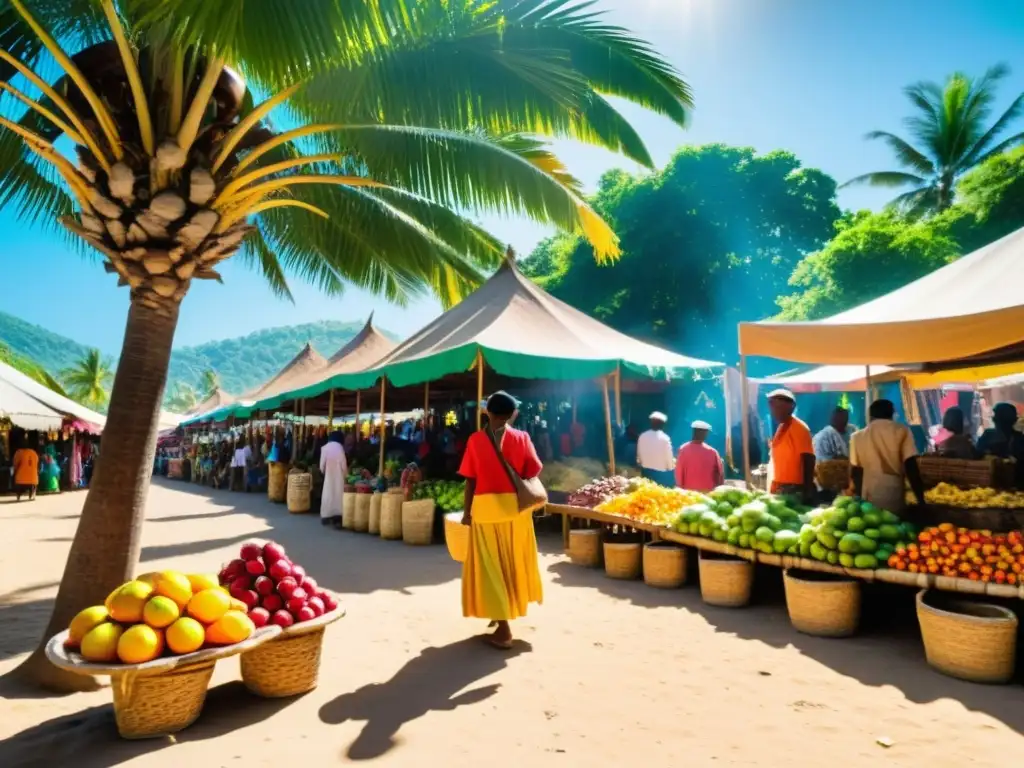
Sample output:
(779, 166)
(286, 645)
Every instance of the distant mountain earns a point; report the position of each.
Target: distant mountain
(241, 363)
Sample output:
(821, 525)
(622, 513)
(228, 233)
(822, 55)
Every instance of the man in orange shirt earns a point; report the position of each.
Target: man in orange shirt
(792, 454)
(26, 471)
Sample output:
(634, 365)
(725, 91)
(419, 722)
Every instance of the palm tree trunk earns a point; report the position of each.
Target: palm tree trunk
(105, 551)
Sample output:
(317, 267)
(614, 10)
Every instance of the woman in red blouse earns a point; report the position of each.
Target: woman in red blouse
(500, 576)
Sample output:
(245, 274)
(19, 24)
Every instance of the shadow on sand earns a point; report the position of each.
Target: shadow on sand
(887, 650)
(428, 683)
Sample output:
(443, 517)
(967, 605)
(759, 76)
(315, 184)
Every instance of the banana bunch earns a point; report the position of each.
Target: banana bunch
(974, 498)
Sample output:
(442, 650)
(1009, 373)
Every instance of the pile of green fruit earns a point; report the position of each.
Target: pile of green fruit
(751, 520)
(449, 495)
(854, 534)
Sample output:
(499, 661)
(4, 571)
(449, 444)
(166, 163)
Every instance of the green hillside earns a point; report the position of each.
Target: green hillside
(241, 363)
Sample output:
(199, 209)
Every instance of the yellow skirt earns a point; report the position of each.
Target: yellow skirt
(500, 576)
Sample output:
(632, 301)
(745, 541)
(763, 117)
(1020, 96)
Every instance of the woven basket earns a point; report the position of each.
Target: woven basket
(391, 516)
(971, 641)
(361, 520)
(418, 521)
(822, 604)
(277, 482)
(725, 581)
(622, 561)
(348, 510)
(373, 523)
(456, 536)
(966, 473)
(290, 664)
(585, 547)
(300, 485)
(664, 565)
(833, 475)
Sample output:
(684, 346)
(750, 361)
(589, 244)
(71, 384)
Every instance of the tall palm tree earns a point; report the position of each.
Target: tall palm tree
(88, 380)
(379, 127)
(209, 383)
(951, 134)
(183, 398)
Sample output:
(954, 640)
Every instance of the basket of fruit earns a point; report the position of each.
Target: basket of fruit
(456, 536)
(280, 593)
(158, 637)
(822, 604)
(833, 475)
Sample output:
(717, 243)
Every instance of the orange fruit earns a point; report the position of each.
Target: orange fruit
(83, 623)
(209, 605)
(150, 578)
(174, 585)
(160, 612)
(127, 603)
(233, 627)
(201, 581)
(140, 644)
(185, 635)
(100, 643)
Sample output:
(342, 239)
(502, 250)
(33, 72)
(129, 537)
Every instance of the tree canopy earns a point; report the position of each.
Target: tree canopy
(88, 381)
(708, 241)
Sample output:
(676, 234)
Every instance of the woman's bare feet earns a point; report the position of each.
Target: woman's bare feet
(501, 637)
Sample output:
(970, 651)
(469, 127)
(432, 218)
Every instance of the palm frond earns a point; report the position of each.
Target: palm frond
(982, 147)
(906, 154)
(885, 179)
(256, 253)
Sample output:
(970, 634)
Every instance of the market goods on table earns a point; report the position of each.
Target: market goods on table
(648, 502)
(973, 498)
(570, 474)
(598, 491)
(449, 495)
(273, 588)
(166, 613)
(976, 555)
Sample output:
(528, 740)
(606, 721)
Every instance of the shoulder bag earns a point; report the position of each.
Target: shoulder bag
(530, 494)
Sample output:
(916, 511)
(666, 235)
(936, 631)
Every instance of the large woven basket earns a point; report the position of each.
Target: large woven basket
(971, 641)
(725, 581)
(822, 604)
(361, 517)
(373, 524)
(277, 481)
(159, 697)
(300, 485)
(622, 561)
(585, 547)
(391, 516)
(833, 474)
(456, 536)
(418, 521)
(966, 473)
(664, 565)
(348, 510)
(290, 664)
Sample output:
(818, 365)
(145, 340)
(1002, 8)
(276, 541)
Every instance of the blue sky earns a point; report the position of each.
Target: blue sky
(810, 76)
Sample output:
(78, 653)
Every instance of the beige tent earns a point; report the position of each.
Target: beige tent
(301, 368)
(966, 315)
(217, 399)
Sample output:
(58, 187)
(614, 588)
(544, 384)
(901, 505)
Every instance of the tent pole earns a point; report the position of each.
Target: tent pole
(479, 389)
(426, 409)
(358, 404)
(867, 394)
(618, 394)
(728, 421)
(745, 419)
(330, 411)
(608, 427)
(383, 425)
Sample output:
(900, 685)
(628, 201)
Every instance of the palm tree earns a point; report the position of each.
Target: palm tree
(952, 134)
(209, 383)
(88, 380)
(183, 398)
(386, 125)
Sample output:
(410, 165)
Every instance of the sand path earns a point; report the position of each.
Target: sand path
(612, 673)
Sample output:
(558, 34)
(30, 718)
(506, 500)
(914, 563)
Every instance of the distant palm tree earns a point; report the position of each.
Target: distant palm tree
(209, 383)
(88, 381)
(952, 135)
(183, 398)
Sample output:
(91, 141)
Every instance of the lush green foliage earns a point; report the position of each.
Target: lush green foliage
(51, 351)
(708, 241)
(951, 134)
(89, 379)
(29, 367)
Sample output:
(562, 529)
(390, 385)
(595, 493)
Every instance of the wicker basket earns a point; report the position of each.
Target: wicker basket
(277, 482)
(622, 561)
(833, 475)
(391, 516)
(300, 485)
(290, 664)
(725, 581)
(361, 519)
(664, 565)
(822, 604)
(966, 473)
(585, 547)
(418, 521)
(373, 524)
(971, 641)
(456, 536)
(348, 510)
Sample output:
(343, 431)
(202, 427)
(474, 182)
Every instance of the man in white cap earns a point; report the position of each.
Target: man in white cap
(792, 454)
(654, 452)
(699, 467)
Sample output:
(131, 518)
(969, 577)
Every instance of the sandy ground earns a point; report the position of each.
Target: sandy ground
(609, 673)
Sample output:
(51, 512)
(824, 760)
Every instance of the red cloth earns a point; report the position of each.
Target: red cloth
(481, 463)
(565, 444)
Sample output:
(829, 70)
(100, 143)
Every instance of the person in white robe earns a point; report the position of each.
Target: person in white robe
(334, 468)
